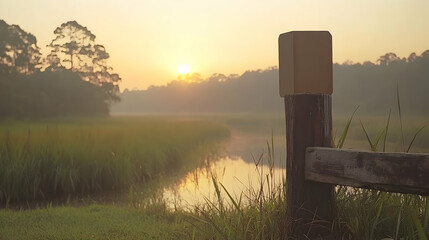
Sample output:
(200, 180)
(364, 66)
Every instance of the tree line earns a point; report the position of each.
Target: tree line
(74, 79)
(372, 86)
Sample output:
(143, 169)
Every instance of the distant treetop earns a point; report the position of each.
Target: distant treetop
(74, 48)
(19, 52)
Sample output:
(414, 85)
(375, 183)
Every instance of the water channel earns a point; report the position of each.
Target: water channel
(249, 159)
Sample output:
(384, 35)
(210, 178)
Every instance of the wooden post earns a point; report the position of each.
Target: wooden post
(305, 69)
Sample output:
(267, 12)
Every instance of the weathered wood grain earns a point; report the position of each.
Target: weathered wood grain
(310, 205)
(391, 172)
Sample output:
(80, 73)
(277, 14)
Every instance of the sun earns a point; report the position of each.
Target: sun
(184, 69)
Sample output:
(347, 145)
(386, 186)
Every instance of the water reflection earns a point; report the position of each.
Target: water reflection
(235, 174)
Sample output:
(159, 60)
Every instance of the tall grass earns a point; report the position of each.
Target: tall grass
(46, 160)
(372, 214)
(257, 213)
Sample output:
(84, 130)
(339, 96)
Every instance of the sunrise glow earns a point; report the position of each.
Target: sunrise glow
(148, 40)
(184, 69)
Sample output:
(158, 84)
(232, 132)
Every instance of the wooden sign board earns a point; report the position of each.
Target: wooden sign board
(305, 62)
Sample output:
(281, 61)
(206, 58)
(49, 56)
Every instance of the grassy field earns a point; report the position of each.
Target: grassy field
(47, 160)
(362, 214)
(93, 222)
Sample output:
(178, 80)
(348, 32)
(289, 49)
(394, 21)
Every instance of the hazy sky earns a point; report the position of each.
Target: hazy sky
(149, 39)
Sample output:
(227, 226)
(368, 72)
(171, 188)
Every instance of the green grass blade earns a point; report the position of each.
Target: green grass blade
(211, 204)
(272, 156)
(378, 138)
(367, 136)
(400, 116)
(334, 138)
(386, 130)
(398, 222)
(237, 207)
(218, 193)
(426, 215)
(415, 136)
(376, 221)
(382, 135)
(420, 231)
(214, 225)
(343, 136)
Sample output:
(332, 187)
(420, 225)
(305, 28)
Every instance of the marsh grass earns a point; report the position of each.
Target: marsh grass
(259, 212)
(372, 214)
(256, 213)
(66, 158)
(375, 125)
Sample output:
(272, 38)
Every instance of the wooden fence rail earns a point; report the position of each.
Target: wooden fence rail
(313, 168)
(390, 172)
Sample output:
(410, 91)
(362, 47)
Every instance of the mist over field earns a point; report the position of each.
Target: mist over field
(203, 155)
(371, 86)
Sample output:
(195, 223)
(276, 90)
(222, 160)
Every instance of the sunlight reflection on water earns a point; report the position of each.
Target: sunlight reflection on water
(236, 175)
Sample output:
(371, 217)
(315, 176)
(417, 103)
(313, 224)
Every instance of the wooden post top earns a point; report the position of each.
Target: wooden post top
(305, 62)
